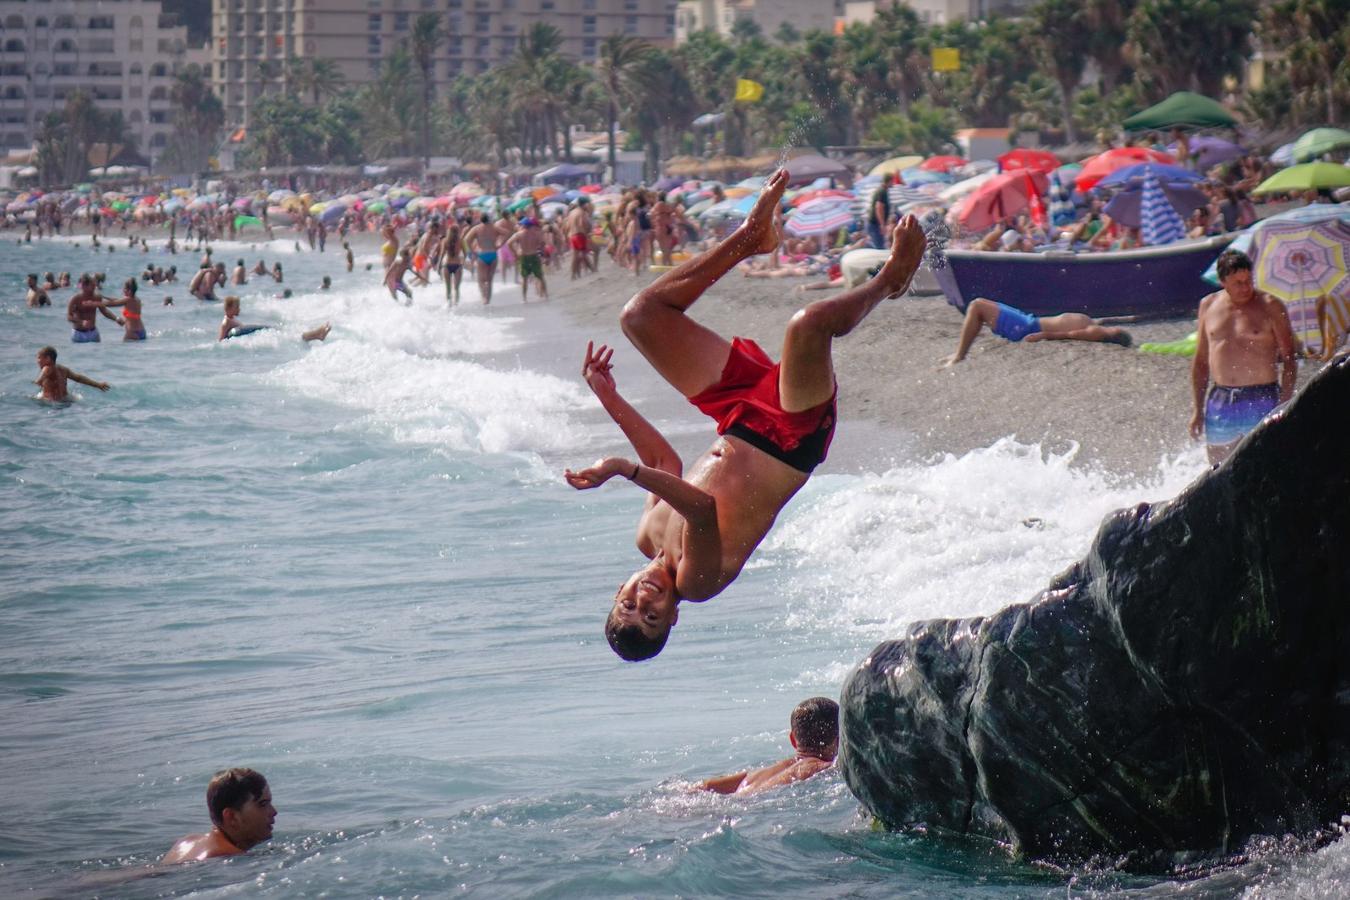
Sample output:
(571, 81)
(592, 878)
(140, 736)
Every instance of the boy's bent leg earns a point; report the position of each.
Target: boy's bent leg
(806, 376)
(688, 355)
(979, 313)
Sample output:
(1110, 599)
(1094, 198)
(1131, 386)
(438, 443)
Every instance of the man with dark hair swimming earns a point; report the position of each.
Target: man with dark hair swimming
(814, 735)
(774, 423)
(1012, 324)
(240, 805)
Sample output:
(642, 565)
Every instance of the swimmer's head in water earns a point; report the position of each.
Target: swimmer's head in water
(815, 727)
(231, 304)
(240, 804)
(645, 609)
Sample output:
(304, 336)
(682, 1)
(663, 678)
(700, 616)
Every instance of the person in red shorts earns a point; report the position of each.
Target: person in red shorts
(774, 421)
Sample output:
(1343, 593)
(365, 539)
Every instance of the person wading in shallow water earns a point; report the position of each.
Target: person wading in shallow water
(239, 802)
(774, 423)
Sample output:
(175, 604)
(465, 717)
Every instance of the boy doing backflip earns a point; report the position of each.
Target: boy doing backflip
(774, 421)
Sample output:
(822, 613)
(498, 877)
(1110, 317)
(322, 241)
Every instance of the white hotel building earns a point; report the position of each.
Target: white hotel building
(122, 53)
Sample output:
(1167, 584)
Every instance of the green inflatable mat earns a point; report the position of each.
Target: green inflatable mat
(1183, 347)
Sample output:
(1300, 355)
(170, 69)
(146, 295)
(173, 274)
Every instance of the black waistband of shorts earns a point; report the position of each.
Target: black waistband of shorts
(1247, 389)
(809, 452)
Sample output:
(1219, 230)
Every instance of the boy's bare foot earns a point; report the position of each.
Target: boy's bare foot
(318, 334)
(762, 230)
(907, 246)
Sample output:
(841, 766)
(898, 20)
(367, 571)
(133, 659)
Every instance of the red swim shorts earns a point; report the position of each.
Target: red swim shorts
(745, 404)
(578, 241)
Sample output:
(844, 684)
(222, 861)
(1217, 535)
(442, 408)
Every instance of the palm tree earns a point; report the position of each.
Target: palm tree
(1313, 35)
(427, 35)
(198, 118)
(623, 70)
(316, 76)
(1061, 38)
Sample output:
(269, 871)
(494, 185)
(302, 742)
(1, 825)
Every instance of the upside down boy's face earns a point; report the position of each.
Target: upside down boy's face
(648, 600)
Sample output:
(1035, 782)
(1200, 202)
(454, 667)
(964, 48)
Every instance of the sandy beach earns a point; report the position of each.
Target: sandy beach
(1125, 410)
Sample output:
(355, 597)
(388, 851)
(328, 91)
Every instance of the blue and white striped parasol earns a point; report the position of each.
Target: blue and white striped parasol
(1062, 211)
(1159, 221)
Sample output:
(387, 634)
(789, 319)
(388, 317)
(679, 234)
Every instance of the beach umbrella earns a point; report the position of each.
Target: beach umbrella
(953, 192)
(735, 192)
(1024, 158)
(417, 204)
(1306, 177)
(241, 222)
(1283, 155)
(332, 213)
(172, 205)
(1160, 222)
(317, 208)
(942, 164)
(807, 196)
(1299, 262)
(819, 217)
(279, 214)
(1313, 212)
(590, 188)
(1210, 151)
(520, 205)
(279, 195)
(699, 207)
(895, 164)
(1003, 196)
(1183, 109)
(1320, 141)
(243, 203)
(375, 207)
(916, 176)
(1161, 171)
(1126, 206)
(1103, 164)
(1061, 208)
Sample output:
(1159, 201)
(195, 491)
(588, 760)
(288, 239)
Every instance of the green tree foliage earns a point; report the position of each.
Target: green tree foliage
(1314, 38)
(198, 118)
(624, 72)
(1190, 45)
(1062, 34)
(427, 35)
(64, 141)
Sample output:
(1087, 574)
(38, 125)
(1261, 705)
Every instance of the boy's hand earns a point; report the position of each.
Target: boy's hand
(598, 474)
(596, 369)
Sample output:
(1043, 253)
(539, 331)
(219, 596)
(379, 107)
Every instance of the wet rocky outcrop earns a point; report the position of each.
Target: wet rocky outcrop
(1183, 687)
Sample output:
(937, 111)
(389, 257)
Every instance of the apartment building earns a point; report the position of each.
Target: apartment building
(937, 12)
(252, 39)
(123, 54)
(770, 15)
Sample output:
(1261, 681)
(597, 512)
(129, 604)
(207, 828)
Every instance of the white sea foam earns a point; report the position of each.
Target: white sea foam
(959, 536)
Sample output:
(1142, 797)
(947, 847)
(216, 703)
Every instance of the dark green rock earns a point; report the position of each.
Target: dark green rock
(1183, 687)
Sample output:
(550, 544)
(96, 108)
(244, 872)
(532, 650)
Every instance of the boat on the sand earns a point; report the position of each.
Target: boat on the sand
(1149, 281)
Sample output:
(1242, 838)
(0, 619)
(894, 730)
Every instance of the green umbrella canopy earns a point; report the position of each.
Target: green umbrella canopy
(1319, 141)
(1183, 109)
(1307, 177)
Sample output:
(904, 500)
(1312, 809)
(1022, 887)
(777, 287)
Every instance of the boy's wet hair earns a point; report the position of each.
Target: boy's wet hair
(815, 724)
(231, 789)
(630, 642)
(49, 352)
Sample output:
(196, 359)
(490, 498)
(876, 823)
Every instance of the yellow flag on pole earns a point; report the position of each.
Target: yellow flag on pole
(946, 59)
(748, 91)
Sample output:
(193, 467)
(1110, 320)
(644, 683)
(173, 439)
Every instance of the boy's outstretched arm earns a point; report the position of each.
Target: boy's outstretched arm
(82, 379)
(726, 784)
(652, 447)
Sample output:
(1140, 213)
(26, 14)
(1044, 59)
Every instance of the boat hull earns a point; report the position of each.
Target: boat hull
(1151, 281)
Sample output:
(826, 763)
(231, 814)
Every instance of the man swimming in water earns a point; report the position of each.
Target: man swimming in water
(1014, 325)
(37, 295)
(231, 327)
(52, 378)
(239, 802)
(814, 735)
(774, 423)
(83, 309)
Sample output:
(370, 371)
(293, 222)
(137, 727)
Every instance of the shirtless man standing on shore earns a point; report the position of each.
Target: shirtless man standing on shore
(240, 805)
(1242, 337)
(814, 735)
(578, 228)
(481, 243)
(663, 226)
(774, 423)
(52, 378)
(83, 309)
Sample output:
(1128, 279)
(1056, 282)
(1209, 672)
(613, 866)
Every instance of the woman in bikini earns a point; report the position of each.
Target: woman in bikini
(131, 312)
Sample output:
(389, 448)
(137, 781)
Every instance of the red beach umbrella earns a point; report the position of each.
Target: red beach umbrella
(1022, 158)
(808, 196)
(1103, 164)
(1000, 197)
(942, 163)
(591, 188)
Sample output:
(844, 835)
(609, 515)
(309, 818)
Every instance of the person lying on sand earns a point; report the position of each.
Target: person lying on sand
(774, 424)
(1014, 325)
(240, 805)
(52, 378)
(231, 327)
(814, 735)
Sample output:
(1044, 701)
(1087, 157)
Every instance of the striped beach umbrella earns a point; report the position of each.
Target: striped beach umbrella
(1062, 210)
(1299, 262)
(1160, 223)
(818, 217)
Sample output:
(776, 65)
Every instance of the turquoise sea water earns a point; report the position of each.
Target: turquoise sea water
(355, 567)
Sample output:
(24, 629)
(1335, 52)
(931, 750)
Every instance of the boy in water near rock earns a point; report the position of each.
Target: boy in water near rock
(53, 378)
(774, 423)
(242, 815)
(814, 735)
(231, 327)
